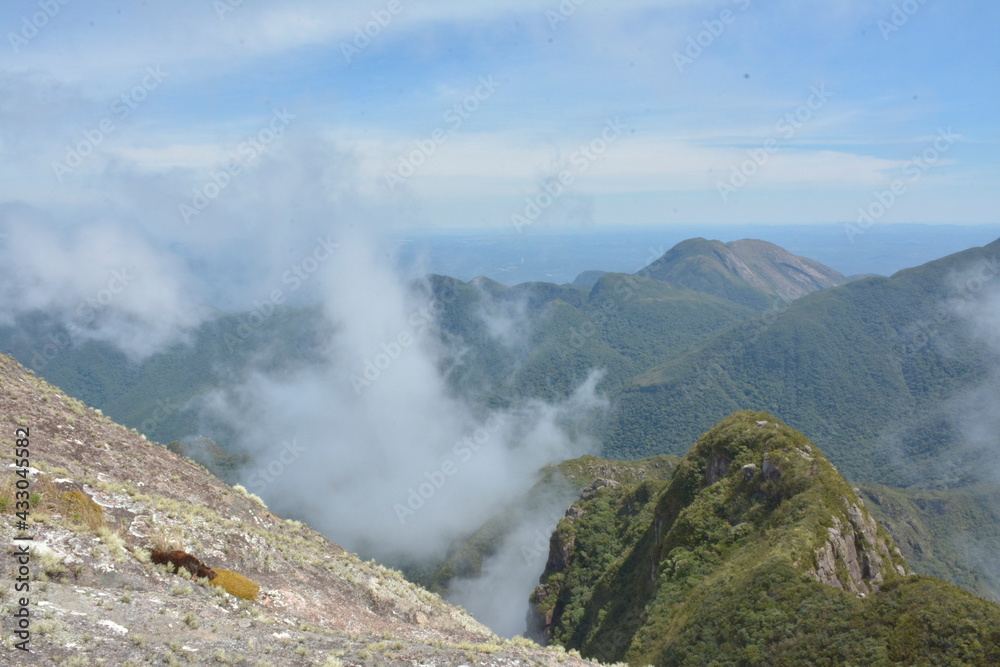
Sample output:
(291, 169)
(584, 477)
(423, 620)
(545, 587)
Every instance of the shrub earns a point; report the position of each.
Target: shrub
(236, 584)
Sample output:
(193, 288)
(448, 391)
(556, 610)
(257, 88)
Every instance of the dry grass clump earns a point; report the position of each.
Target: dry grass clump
(50, 564)
(42, 495)
(239, 488)
(164, 537)
(81, 507)
(236, 584)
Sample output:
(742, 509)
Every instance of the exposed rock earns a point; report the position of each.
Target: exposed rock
(770, 469)
(858, 549)
(749, 470)
(717, 468)
(539, 619)
(560, 551)
(599, 483)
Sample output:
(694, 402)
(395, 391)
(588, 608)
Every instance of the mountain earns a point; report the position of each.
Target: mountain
(529, 340)
(756, 551)
(587, 279)
(153, 395)
(567, 479)
(139, 556)
(509, 342)
(752, 273)
(553, 336)
(953, 534)
(881, 373)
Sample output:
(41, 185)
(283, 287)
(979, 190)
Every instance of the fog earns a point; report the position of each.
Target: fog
(102, 282)
(370, 446)
(975, 303)
(366, 443)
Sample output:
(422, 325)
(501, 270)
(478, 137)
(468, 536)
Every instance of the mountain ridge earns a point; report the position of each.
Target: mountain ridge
(866, 369)
(756, 551)
(750, 272)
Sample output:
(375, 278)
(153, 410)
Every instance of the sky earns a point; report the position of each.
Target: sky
(520, 115)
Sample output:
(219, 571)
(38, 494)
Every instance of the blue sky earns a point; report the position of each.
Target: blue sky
(560, 74)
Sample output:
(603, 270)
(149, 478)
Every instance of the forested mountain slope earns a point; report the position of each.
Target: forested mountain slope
(755, 552)
(874, 371)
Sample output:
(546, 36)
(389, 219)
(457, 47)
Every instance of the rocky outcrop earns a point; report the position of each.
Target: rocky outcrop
(854, 556)
(717, 468)
(560, 551)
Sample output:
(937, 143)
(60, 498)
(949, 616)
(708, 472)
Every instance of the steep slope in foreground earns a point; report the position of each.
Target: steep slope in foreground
(755, 552)
(102, 498)
(749, 272)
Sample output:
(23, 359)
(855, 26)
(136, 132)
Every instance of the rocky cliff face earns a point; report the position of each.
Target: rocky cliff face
(755, 521)
(854, 556)
(104, 501)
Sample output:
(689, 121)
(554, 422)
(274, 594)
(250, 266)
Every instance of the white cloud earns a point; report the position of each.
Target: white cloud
(99, 282)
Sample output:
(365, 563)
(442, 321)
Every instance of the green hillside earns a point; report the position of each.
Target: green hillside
(953, 534)
(152, 396)
(566, 479)
(623, 325)
(865, 369)
(755, 552)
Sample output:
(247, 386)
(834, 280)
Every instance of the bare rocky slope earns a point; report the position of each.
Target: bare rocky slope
(102, 499)
(750, 272)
